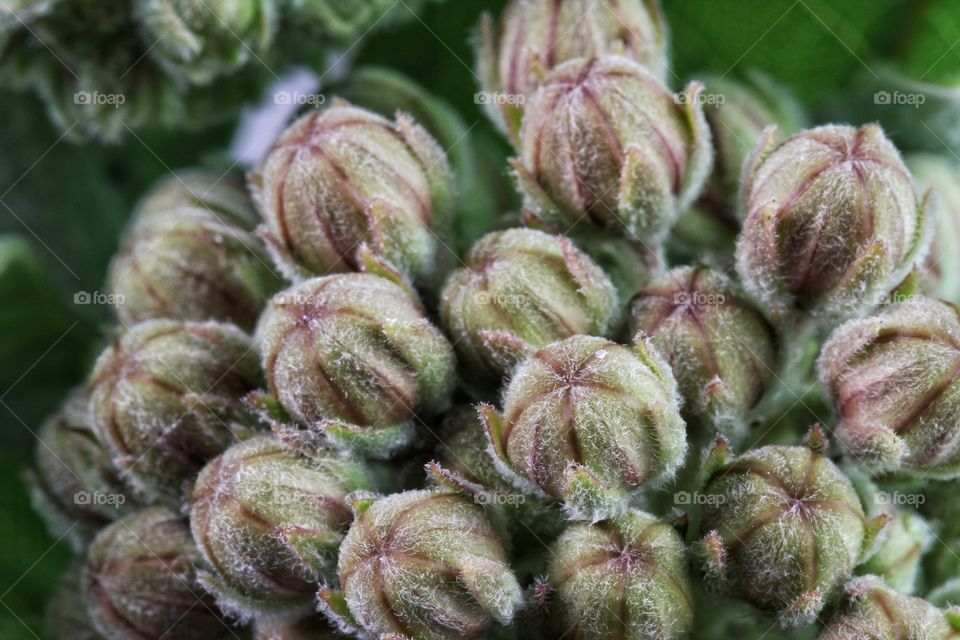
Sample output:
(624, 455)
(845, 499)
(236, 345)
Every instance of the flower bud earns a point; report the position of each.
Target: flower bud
(268, 523)
(140, 581)
(940, 270)
(832, 221)
(167, 396)
(343, 181)
(68, 617)
(625, 578)
(893, 380)
(873, 610)
(532, 37)
(422, 564)
(75, 488)
(190, 254)
(606, 144)
(313, 627)
(202, 41)
(589, 421)
(354, 356)
(783, 530)
(519, 291)
(720, 347)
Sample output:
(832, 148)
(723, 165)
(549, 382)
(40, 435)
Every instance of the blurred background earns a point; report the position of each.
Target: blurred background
(65, 193)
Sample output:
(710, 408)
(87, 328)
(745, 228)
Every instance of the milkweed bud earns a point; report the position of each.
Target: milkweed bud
(67, 615)
(606, 144)
(873, 610)
(589, 421)
(343, 181)
(268, 523)
(422, 564)
(311, 628)
(75, 488)
(140, 581)
(167, 396)
(893, 380)
(940, 270)
(783, 530)
(202, 41)
(519, 291)
(532, 37)
(624, 578)
(720, 347)
(190, 254)
(354, 356)
(832, 221)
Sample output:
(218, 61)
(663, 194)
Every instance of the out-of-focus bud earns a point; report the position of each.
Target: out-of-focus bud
(940, 270)
(67, 615)
(167, 396)
(190, 254)
(422, 564)
(344, 182)
(140, 581)
(531, 37)
(893, 380)
(557, 437)
(313, 627)
(720, 347)
(623, 578)
(268, 523)
(605, 144)
(519, 291)
(832, 221)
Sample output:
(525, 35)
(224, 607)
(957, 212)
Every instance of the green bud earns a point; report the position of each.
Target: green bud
(268, 523)
(892, 378)
(353, 356)
(832, 221)
(343, 182)
(68, 617)
(346, 22)
(140, 581)
(75, 488)
(940, 270)
(200, 41)
(311, 628)
(423, 564)
(720, 347)
(532, 37)
(190, 254)
(519, 291)
(167, 396)
(783, 527)
(589, 422)
(626, 578)
(605, 144)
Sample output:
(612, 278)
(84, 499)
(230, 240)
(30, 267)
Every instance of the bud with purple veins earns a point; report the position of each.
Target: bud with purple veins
(604, 144)
(353, 356)
(268, 523)
(520, 290)
(832, 221)
(167, 396)
(721, 349)
(589, 422)
(140, 581)
(624, 578)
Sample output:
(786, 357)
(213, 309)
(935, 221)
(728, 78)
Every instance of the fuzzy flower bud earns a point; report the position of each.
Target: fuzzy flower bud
(190, 254)
(720, 347)
(940, 270)
(589, 421)
(199, 41)
(784, 528)
(75, 487)
(626, 578)
(354, 356)
(344, 181)
(832, 221)
(422, 564)
(519, 291)
(140, 581)
(893, 378)
(531, 37)
(167, 396)
(268, 523)
(606, 144)
(68, 617)
(313, 627)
